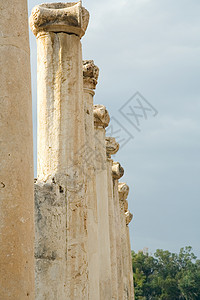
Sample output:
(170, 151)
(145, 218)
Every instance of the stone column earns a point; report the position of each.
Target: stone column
(129, 217)
(16, 155)
(101, 120)
(123, 190)
(111, 148)
(90, 76)
(117, 173)
(61, 137)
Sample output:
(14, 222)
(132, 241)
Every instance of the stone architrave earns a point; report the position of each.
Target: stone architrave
(101, 120)
(123, 190)
(117, 173)
(16, 155)
(58, 28)
(90, 76)
(111, 148)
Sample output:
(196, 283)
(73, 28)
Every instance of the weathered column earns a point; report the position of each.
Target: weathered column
(129, 217)
(61, 138)
(101, 120)
(111, 148)
(16, 155)
(50, 240)
(117, 173)
(90, 76)
(123, 190)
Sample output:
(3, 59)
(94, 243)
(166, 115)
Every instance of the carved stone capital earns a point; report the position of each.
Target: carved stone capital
(129, 217)
(125, 206)
(59, 17)
(111, 146)
(117, 170)
(101, 116)
(90, 74)
(123, 190)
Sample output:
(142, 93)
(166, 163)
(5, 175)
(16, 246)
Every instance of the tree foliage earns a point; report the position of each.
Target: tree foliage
(166, 275)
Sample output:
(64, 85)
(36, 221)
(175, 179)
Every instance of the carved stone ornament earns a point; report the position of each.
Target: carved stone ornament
(101, 116)
(59, 17)
(111, 146)
(90, 74)
(117, 170)
(123, 190)
(129, 217)
(125, 206)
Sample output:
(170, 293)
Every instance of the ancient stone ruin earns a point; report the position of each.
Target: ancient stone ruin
(78, 231)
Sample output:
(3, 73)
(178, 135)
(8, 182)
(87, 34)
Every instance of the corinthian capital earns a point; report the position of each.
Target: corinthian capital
(128, 216)
(90, 74)
(101, 116)
(117, 170)
(59, 17)
(123, 190)
(111, 146)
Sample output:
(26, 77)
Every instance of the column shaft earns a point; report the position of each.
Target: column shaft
(112, 231)
(102, 203)
(61, 138)
(16, 155)
(90, 75)
(118, 239)
(129, 266)
(111, 148)
(126, 217)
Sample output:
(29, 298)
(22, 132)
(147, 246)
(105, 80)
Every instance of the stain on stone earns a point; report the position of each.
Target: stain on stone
(48, 257)
(2, 186)
(61, 190)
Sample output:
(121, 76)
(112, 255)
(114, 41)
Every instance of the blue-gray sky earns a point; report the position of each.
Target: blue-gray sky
(151, 46)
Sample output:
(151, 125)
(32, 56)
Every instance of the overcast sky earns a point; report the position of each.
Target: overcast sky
(153, 47)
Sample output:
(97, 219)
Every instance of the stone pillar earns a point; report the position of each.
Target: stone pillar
(61, 138)
(90, 76)
(123, 190)
(129, 217)
(16, 155)
(117, 173)
(111, 148)
(101, 120)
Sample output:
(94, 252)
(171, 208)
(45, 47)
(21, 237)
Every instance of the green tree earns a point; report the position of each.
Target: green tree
(166, 275)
